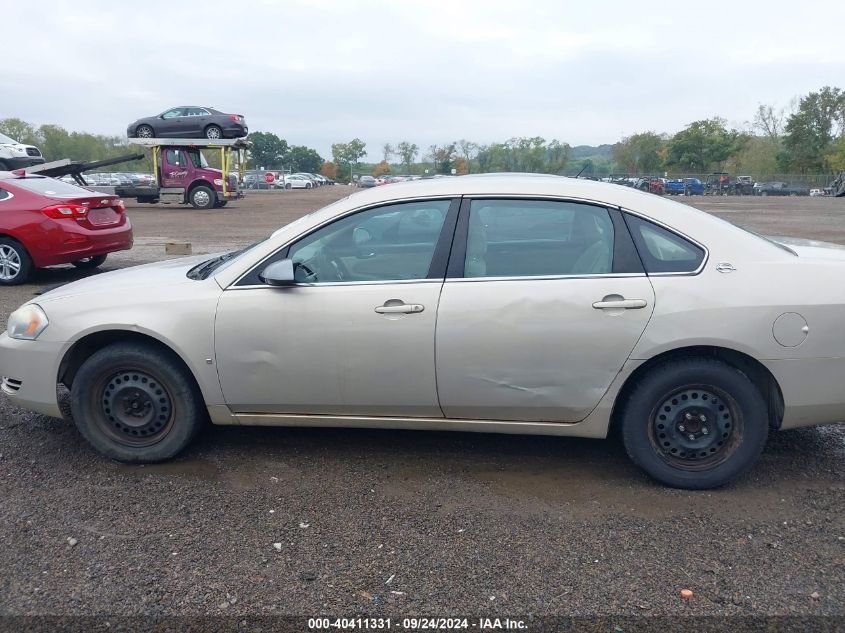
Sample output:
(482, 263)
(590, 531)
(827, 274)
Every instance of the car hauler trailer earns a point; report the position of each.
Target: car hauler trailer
(181, 173)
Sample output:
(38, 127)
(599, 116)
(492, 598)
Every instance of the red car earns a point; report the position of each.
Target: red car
(44, 221)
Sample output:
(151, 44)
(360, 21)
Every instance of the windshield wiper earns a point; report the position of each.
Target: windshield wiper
(203, 270)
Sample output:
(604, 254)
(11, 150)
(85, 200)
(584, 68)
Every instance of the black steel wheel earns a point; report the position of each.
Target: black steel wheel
(136, 403)
(695, 428)
(694, 422)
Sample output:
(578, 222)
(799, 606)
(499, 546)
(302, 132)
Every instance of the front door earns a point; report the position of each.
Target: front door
(175, 167)
(542, 306)
(356, 335)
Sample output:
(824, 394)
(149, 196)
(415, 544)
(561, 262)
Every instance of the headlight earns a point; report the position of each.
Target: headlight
(218, 182)
(27, 323)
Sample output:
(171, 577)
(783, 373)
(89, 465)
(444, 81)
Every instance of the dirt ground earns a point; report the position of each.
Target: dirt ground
(307, 521)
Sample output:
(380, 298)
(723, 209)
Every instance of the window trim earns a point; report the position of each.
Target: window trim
(436, 270)
(674, 231)
(625, 254)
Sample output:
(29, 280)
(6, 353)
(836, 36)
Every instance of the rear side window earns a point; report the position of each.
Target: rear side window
(524, 238)
(661, 250)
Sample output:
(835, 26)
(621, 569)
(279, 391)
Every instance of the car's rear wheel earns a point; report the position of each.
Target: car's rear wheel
(91, 262)
(202, 198)
(135, 403)
(144, 131)
(694, 423)
(214, 132)
(15, 263)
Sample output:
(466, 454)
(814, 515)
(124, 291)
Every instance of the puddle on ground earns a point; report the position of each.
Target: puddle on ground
(194, 468)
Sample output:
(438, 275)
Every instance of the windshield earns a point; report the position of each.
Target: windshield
(197, 158)
(6, 139)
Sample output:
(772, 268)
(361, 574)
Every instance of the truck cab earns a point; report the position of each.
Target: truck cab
(184, 176)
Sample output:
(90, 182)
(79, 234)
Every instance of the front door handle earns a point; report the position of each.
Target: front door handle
(620, 304)
(394, 307)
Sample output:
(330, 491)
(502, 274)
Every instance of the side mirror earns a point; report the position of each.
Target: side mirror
(278, 273)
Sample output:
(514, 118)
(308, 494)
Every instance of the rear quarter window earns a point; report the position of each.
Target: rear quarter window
(661, 250)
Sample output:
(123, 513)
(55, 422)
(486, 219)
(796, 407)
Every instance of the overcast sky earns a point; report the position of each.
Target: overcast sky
(315, 73)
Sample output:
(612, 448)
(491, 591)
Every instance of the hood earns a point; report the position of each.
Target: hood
(812, 249)
(153, 276)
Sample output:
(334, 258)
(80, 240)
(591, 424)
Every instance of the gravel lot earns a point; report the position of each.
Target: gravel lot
(303, 522)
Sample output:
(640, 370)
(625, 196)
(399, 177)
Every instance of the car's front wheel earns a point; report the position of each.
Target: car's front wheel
(144, 131)
(91, 262)
(202, 198)
(694, 423)
(15, 263)
(135, 403)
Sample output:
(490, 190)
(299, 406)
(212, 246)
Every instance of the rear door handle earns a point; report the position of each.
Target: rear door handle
(402, 308)
(620, 304)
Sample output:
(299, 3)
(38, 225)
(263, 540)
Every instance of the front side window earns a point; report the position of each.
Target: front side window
(520, 238)
(176, 158)
(172, 114)
(661, 250)
(389, 243)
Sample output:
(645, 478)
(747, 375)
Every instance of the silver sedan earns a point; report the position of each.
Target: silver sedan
(507, 304)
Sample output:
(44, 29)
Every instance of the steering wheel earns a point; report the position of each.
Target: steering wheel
(310, 277)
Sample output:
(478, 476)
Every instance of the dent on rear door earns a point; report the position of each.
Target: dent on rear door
(533, 349)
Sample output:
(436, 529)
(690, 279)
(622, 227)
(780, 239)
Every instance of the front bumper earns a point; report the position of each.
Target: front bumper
(29, 373)
(21, 162)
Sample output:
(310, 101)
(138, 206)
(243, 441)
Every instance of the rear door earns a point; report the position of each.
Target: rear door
(543, 303)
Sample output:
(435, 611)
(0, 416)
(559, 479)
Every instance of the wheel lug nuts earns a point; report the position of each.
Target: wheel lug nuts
(704, 430)
(703, 418)
(681, 428)
(691, 436)
(688, 416)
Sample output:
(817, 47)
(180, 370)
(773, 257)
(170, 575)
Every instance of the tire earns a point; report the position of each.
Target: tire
(220, 204)
(765, 194)
(161, 410)
(308, 185)
(144, 131)
(287, 186)
(214, 132)
(694, 423)
(91, 262)
(16, 265)
(202, 197)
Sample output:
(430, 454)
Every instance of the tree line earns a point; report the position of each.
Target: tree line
(805, 137)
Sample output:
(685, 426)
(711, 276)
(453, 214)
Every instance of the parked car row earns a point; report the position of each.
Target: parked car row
(299, 180)
(717, 184)
(365, 182)
(113, 179)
